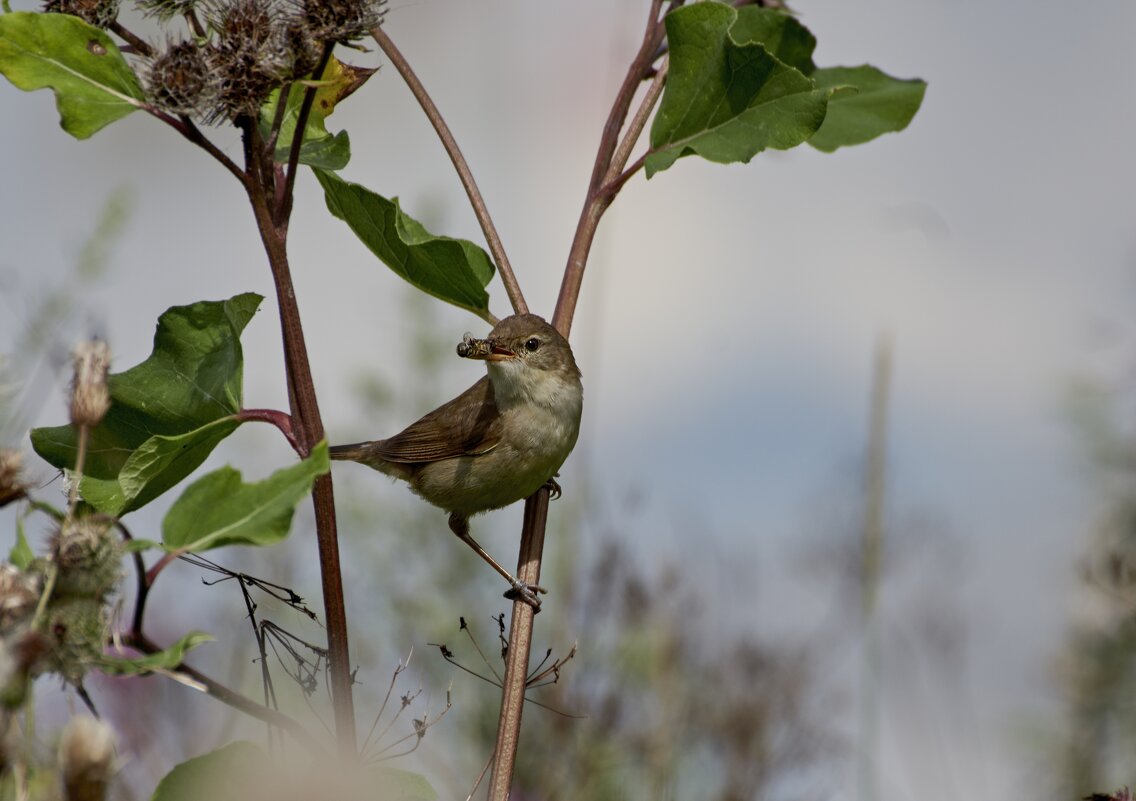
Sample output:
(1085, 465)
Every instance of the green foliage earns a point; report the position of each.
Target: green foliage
(219, 509)
(726, 98)
(744, 80)
(866, 103)
(454, 270)
(167, 659)
(167, 413)
(320, 148)
(221, 775)
(93, 84)
(782, 36)
(21, 555)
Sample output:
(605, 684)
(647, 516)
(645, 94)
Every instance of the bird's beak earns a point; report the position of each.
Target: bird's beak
(485, 349)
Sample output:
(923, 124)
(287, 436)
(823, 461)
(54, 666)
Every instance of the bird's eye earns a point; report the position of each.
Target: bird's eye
(532, 344)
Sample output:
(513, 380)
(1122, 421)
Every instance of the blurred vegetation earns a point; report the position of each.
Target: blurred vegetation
(1096, 670)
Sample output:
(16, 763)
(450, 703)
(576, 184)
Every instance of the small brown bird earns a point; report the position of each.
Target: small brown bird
(499, 441)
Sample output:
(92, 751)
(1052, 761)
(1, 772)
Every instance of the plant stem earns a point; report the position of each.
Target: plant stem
(520, 646)
(612, 154)
(233, 698)
(504, 268)
(598, 200)
(308, 429)
(284, 209)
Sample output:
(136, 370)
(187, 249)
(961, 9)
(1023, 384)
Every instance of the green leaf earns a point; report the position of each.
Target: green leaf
(454, 270)
(227, 774)
(219, 509)
(21, 554)
(326, 153)
(391, 784)
(94, 86)
(727, 100)
(320, 148)
(167, 659)
(865, 104)
(779, 33)
(167, 413)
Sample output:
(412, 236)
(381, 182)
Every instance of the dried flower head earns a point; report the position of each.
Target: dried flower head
(342, 20)
(87, 554)
(165, 10)
(250, 58)
(12, 486)
(19, 594)
(179, 80)
(86, 758)
(90, 396)
(100, 13)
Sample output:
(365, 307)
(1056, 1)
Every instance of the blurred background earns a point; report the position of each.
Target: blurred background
(708, 557)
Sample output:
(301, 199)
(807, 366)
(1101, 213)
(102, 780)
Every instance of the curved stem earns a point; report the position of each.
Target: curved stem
(504, 268)
(185, 126)
(281, 420)
(597, 201)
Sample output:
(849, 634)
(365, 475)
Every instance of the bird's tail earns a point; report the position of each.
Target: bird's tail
(351, 453)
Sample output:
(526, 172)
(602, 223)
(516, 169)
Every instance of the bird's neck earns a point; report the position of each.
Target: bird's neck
(515, 384)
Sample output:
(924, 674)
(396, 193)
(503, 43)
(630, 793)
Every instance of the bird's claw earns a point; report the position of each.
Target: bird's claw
(553, 488)
(521, 591)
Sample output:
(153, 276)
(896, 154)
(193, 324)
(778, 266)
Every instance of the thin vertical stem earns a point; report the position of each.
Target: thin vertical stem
(536, 507)
(520, 646)
(308, 429)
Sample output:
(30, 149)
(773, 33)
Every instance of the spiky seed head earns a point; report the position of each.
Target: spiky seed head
(343, 20)
(165, 10)
(179, 80)
(19, 594)
(87, 759)
(90, 396)
(87, 556)
(100, 13)
(12, 485)
(250, 58)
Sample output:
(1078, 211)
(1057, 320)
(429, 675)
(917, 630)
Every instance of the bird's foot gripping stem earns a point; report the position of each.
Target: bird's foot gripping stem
(553, 487)
(521, 591)
(459, 524)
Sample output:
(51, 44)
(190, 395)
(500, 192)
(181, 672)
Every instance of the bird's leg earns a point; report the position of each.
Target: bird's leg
(553, 488)
(459, 524)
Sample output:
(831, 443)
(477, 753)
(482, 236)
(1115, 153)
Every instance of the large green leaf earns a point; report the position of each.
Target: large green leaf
(727, 99)
(866, 103)
(219, 509)
(167, 413)
(94, 86)
(166, 659)
(454, 270)
(231, 773)
(779, 33)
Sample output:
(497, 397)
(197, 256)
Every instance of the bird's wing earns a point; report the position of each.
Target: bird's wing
(445, 432)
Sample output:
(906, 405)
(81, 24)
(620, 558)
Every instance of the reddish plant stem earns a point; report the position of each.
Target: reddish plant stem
(520, 646)
(308, 428)
(277, 418)
(504, 268)
(598, 200)
(610, 158)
